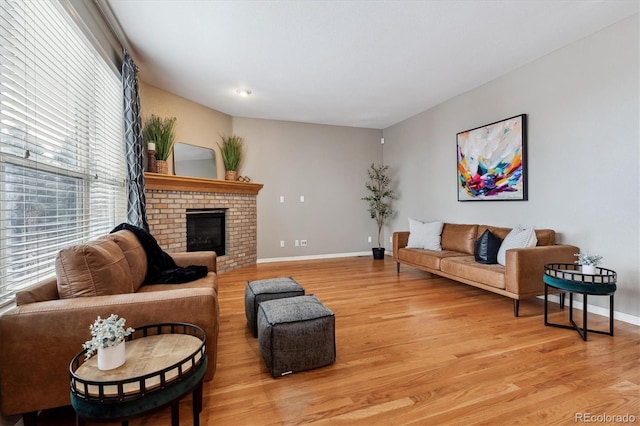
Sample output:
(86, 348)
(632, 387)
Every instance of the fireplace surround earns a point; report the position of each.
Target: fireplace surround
(170, 197)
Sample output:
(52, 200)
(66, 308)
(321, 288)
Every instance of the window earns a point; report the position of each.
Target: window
(62, 163)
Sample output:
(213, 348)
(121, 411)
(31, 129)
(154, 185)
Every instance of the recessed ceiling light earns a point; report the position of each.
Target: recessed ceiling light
(243, 92)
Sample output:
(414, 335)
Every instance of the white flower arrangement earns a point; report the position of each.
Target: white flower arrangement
(588, 259)
(105, 333)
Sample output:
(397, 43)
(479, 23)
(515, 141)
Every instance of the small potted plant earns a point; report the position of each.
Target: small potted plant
(379, 199)
(107, 338)
(231, 151)
(588, 262)
(160, 132)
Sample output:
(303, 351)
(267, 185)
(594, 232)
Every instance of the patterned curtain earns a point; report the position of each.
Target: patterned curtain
(136, 202)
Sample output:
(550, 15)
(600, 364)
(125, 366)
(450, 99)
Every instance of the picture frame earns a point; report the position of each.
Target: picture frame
(492, 161)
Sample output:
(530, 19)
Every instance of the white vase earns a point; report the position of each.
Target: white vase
(111, 357)
(589, 269)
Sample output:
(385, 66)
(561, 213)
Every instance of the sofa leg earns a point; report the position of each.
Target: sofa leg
(516, 307)
(398, 267)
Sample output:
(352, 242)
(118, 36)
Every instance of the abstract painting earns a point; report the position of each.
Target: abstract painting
(492, 161)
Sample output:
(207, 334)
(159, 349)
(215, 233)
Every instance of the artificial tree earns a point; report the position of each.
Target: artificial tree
(379, 199)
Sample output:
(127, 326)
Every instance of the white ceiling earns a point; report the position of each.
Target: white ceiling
(353, 63)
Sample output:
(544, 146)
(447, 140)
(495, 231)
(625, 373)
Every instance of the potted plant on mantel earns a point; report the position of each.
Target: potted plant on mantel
(231, 151)
(379, 199)
(160, 132)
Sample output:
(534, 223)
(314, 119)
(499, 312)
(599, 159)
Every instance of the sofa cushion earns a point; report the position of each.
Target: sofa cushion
(467, 267)
(424, 235)
(546, 237)
(94, 269)
(518, 238)
(460, 238)
(210, 281)
(428, 258)
(495, 230)
(134, 252)
(487, 246)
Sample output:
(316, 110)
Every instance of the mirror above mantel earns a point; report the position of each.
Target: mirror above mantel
(194, 161)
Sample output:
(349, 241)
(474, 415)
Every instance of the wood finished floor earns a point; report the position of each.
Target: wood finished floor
(420, 350)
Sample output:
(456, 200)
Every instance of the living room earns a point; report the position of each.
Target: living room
(575, 102)
(582, 105)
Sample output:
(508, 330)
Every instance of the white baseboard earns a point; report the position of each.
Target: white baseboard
(598, 310)
(313, 257)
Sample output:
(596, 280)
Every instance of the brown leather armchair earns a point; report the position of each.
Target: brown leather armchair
(40, 336)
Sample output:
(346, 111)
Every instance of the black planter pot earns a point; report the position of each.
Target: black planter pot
(378, 253)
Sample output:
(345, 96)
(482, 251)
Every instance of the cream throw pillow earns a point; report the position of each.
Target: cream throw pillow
(425, 235)
(519, 237)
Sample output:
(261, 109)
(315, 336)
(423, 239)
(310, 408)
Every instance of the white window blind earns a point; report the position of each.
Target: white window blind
(62, 163)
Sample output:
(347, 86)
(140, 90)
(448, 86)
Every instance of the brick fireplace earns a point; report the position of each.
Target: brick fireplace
(169, 197)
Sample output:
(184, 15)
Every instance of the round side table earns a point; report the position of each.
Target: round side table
(568, 277)
(164, 362)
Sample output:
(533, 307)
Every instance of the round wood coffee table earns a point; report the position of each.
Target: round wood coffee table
(164, 362)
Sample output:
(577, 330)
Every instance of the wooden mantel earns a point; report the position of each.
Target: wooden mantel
(156, 181)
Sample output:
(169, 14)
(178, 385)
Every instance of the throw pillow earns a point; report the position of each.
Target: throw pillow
(519, 237)
(94, 269)
(486, 248)
(425, 235)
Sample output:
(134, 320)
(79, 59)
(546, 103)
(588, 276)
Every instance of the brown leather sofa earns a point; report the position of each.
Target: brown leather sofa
(521, 278)
(40, 336)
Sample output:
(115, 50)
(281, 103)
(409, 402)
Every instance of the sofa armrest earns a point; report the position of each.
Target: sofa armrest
(400, 240)
(38, 340)
(525, 267)
(207, 258)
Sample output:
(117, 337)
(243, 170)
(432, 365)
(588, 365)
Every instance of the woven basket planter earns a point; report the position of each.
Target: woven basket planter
(163, 167)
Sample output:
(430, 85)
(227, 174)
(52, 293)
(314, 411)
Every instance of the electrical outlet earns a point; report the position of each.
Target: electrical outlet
(303, 243)
(369, 239)
(391, 239)
(282, 198)
(302, 198)
(281, 243)
(297, 242)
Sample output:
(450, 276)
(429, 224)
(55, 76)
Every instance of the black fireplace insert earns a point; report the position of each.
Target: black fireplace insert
(206, 230)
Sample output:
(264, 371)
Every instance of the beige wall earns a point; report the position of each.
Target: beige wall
(328, 166)
(195, 124)
(583, 131)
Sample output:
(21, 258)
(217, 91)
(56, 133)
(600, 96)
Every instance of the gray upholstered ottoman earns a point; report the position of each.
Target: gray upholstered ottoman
(258, 291)
(296, 334)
